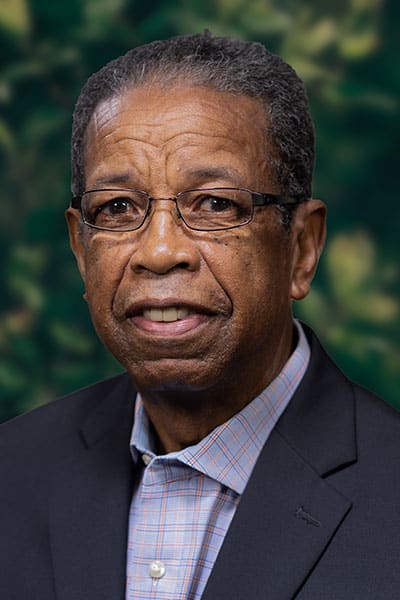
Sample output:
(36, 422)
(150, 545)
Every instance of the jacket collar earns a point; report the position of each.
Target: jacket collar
(320, 419)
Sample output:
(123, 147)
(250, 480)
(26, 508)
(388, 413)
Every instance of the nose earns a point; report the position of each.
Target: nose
(163, 243)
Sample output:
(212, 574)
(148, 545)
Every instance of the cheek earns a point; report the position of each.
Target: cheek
(257, 278)
(106, 262)
(244, 267)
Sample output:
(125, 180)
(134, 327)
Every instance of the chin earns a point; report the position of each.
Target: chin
(173, 376)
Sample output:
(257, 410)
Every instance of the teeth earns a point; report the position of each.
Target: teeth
(166, 315)
(155, 314)
(169, 314)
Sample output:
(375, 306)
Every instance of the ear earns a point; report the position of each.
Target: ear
(76, 240)
(309, 231)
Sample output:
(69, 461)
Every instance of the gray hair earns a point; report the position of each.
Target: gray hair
(224, 64)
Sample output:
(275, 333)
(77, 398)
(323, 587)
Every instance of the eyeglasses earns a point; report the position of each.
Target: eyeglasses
(205, 209)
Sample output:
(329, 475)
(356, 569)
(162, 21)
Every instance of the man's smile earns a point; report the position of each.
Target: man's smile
(168, 317)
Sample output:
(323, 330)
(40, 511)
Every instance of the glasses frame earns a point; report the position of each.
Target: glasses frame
(258, 199)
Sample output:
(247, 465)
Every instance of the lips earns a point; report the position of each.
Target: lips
(167, 317)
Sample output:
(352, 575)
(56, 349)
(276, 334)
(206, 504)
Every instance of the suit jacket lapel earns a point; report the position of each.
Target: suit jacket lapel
(289, 512)
(90, 505)
(283, 524)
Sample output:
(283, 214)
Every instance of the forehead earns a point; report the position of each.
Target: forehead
(177, 129)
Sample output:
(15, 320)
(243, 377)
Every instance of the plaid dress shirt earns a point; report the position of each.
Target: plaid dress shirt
(185, 501)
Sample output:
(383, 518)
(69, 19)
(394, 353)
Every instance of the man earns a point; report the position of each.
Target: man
(233, 460)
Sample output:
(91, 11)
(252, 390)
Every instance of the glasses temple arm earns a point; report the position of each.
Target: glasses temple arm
(260, 199)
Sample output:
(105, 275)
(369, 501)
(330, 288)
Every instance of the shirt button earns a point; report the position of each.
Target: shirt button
(146, 459)
(157, 569)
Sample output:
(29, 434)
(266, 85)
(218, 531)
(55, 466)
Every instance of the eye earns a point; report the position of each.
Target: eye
(215, 203)
(114, 207)
(218, 204)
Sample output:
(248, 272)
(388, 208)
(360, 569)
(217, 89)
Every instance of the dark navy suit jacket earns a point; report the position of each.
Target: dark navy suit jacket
(319, 519)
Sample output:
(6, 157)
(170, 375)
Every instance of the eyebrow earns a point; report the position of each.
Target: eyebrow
(207, 173)
(115, 179)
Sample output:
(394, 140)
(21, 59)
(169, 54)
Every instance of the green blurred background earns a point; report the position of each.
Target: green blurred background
(347, 52)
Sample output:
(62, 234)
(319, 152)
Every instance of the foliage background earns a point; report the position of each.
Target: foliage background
(347, 52)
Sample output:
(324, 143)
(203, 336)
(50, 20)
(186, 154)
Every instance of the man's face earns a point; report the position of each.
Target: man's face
(183, 309)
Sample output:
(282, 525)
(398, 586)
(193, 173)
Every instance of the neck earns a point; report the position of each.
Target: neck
(183, 419)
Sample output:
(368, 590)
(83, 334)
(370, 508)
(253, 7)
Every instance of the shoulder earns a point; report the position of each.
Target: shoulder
(377, 428)
(326, 377)
(51, 423)
(336, 421)
(37, 447)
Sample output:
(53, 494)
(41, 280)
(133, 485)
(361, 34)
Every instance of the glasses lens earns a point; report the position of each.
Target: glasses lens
(217, 208)
(119, 210)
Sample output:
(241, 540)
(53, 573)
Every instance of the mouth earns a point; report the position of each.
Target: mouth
(168, 318)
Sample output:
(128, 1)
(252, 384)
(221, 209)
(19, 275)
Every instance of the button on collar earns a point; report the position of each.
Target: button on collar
(146, 458)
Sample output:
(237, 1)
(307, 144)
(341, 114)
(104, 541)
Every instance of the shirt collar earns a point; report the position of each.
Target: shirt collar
(228, 454)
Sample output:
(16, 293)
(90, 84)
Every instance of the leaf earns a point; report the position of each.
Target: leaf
(14, 17)
(6, 138)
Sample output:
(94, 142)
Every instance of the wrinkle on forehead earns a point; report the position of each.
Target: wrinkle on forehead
(105, 112)
(185, 140)
(152, 124)
(161, 131)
